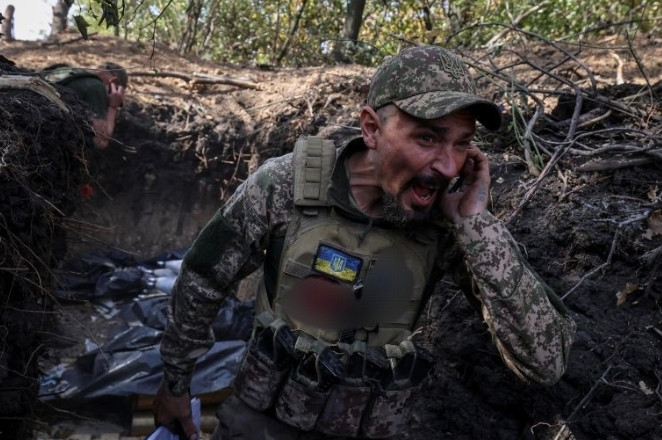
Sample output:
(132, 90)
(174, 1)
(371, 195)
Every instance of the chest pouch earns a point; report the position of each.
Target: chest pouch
(349, 398)
(390, 410)
(266, 363)
(309, 384)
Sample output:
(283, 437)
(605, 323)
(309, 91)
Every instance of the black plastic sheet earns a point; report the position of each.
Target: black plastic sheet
(77, 279)
(129, 361)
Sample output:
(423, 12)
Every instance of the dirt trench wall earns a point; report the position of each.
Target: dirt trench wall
(41, 165)
(170, 168)
(151, 190)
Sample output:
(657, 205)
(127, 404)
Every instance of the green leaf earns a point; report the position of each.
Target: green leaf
(82, 25)
(111, 12)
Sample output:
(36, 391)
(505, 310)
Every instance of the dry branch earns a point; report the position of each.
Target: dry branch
(652, 255)
(69, 41)
(200, 79)
(587, 119)
(614, 164)
(612, 250)
(658, 388)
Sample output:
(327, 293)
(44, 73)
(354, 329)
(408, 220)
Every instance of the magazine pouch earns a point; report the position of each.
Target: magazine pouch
(343, 410)
(303, 396)
(265, 366)
(389, 412)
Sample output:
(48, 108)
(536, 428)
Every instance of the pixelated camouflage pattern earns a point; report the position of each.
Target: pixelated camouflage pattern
(532, 335)
(300, 405)
(388, 415)
(258, 382)
(531, 330)
(429, 82)
(230, 247)
(343, 410)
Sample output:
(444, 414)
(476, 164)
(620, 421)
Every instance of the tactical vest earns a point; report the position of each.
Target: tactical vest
(309, 373)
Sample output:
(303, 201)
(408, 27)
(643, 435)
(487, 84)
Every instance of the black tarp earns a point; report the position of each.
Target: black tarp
(129, 361)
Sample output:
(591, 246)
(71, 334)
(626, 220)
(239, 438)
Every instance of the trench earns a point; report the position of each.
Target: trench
(174, 164)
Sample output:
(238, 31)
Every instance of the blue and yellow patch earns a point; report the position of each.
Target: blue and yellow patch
(337, 264)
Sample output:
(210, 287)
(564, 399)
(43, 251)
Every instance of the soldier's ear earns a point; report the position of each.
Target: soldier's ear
(369, 126)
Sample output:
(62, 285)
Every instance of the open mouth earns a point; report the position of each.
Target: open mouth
(425, 192)
(425, 188)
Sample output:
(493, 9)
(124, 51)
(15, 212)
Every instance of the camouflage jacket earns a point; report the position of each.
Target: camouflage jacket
(529, 325)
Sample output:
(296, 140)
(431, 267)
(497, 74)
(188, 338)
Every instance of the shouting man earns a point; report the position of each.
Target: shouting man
(353, 241)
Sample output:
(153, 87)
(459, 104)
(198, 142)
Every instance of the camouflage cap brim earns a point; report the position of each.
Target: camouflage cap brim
(434, 105)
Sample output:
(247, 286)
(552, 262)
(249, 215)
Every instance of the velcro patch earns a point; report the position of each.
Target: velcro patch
(337, 264)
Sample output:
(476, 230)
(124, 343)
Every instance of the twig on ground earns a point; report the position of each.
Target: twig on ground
(270, 104)
(658, 388)
(588, 395)
(640, 67)
(309, 102)
(587, 119)
(237, 161)
(575, 115)
(206, 79)
(614, 164)
(562, 432)
(550, 164)
(614, 244)
(652, 255)
(528, 136)
(619, 68)
(71, 40)
(654, 273)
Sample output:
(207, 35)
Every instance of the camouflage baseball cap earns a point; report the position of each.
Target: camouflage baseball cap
(429, 82)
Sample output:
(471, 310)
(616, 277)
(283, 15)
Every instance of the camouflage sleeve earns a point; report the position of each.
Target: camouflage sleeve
(228, 248)
(530, 326)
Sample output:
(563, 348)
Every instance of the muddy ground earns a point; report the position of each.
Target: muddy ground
(594, 235)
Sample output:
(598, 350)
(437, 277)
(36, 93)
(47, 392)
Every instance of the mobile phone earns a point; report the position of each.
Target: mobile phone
(457, 184)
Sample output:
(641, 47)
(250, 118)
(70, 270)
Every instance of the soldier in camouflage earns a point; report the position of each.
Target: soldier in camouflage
(102, 90)
(392, 183)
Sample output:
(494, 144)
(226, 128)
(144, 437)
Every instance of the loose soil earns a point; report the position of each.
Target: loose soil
(182, 148)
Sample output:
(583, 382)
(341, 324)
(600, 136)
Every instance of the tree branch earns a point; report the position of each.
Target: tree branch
(206, 79)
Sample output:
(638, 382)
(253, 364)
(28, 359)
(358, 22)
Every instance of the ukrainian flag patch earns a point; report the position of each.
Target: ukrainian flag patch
(337, 264)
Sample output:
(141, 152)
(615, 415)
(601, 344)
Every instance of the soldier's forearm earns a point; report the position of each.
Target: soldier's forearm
(532, 334)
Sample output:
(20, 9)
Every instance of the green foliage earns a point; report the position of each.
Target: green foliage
(257, 31)
(81, 25)
(555, 20)
(109, 13)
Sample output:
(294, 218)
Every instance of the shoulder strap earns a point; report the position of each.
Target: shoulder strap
(312, 165)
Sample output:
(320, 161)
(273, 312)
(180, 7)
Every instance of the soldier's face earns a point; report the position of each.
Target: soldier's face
(417, 158)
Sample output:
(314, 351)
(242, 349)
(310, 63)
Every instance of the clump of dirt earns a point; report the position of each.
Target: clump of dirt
(42, 163)
(592, 232)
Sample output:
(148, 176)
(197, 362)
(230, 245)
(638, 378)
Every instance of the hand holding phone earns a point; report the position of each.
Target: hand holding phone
(469, 195)
(115, 95)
